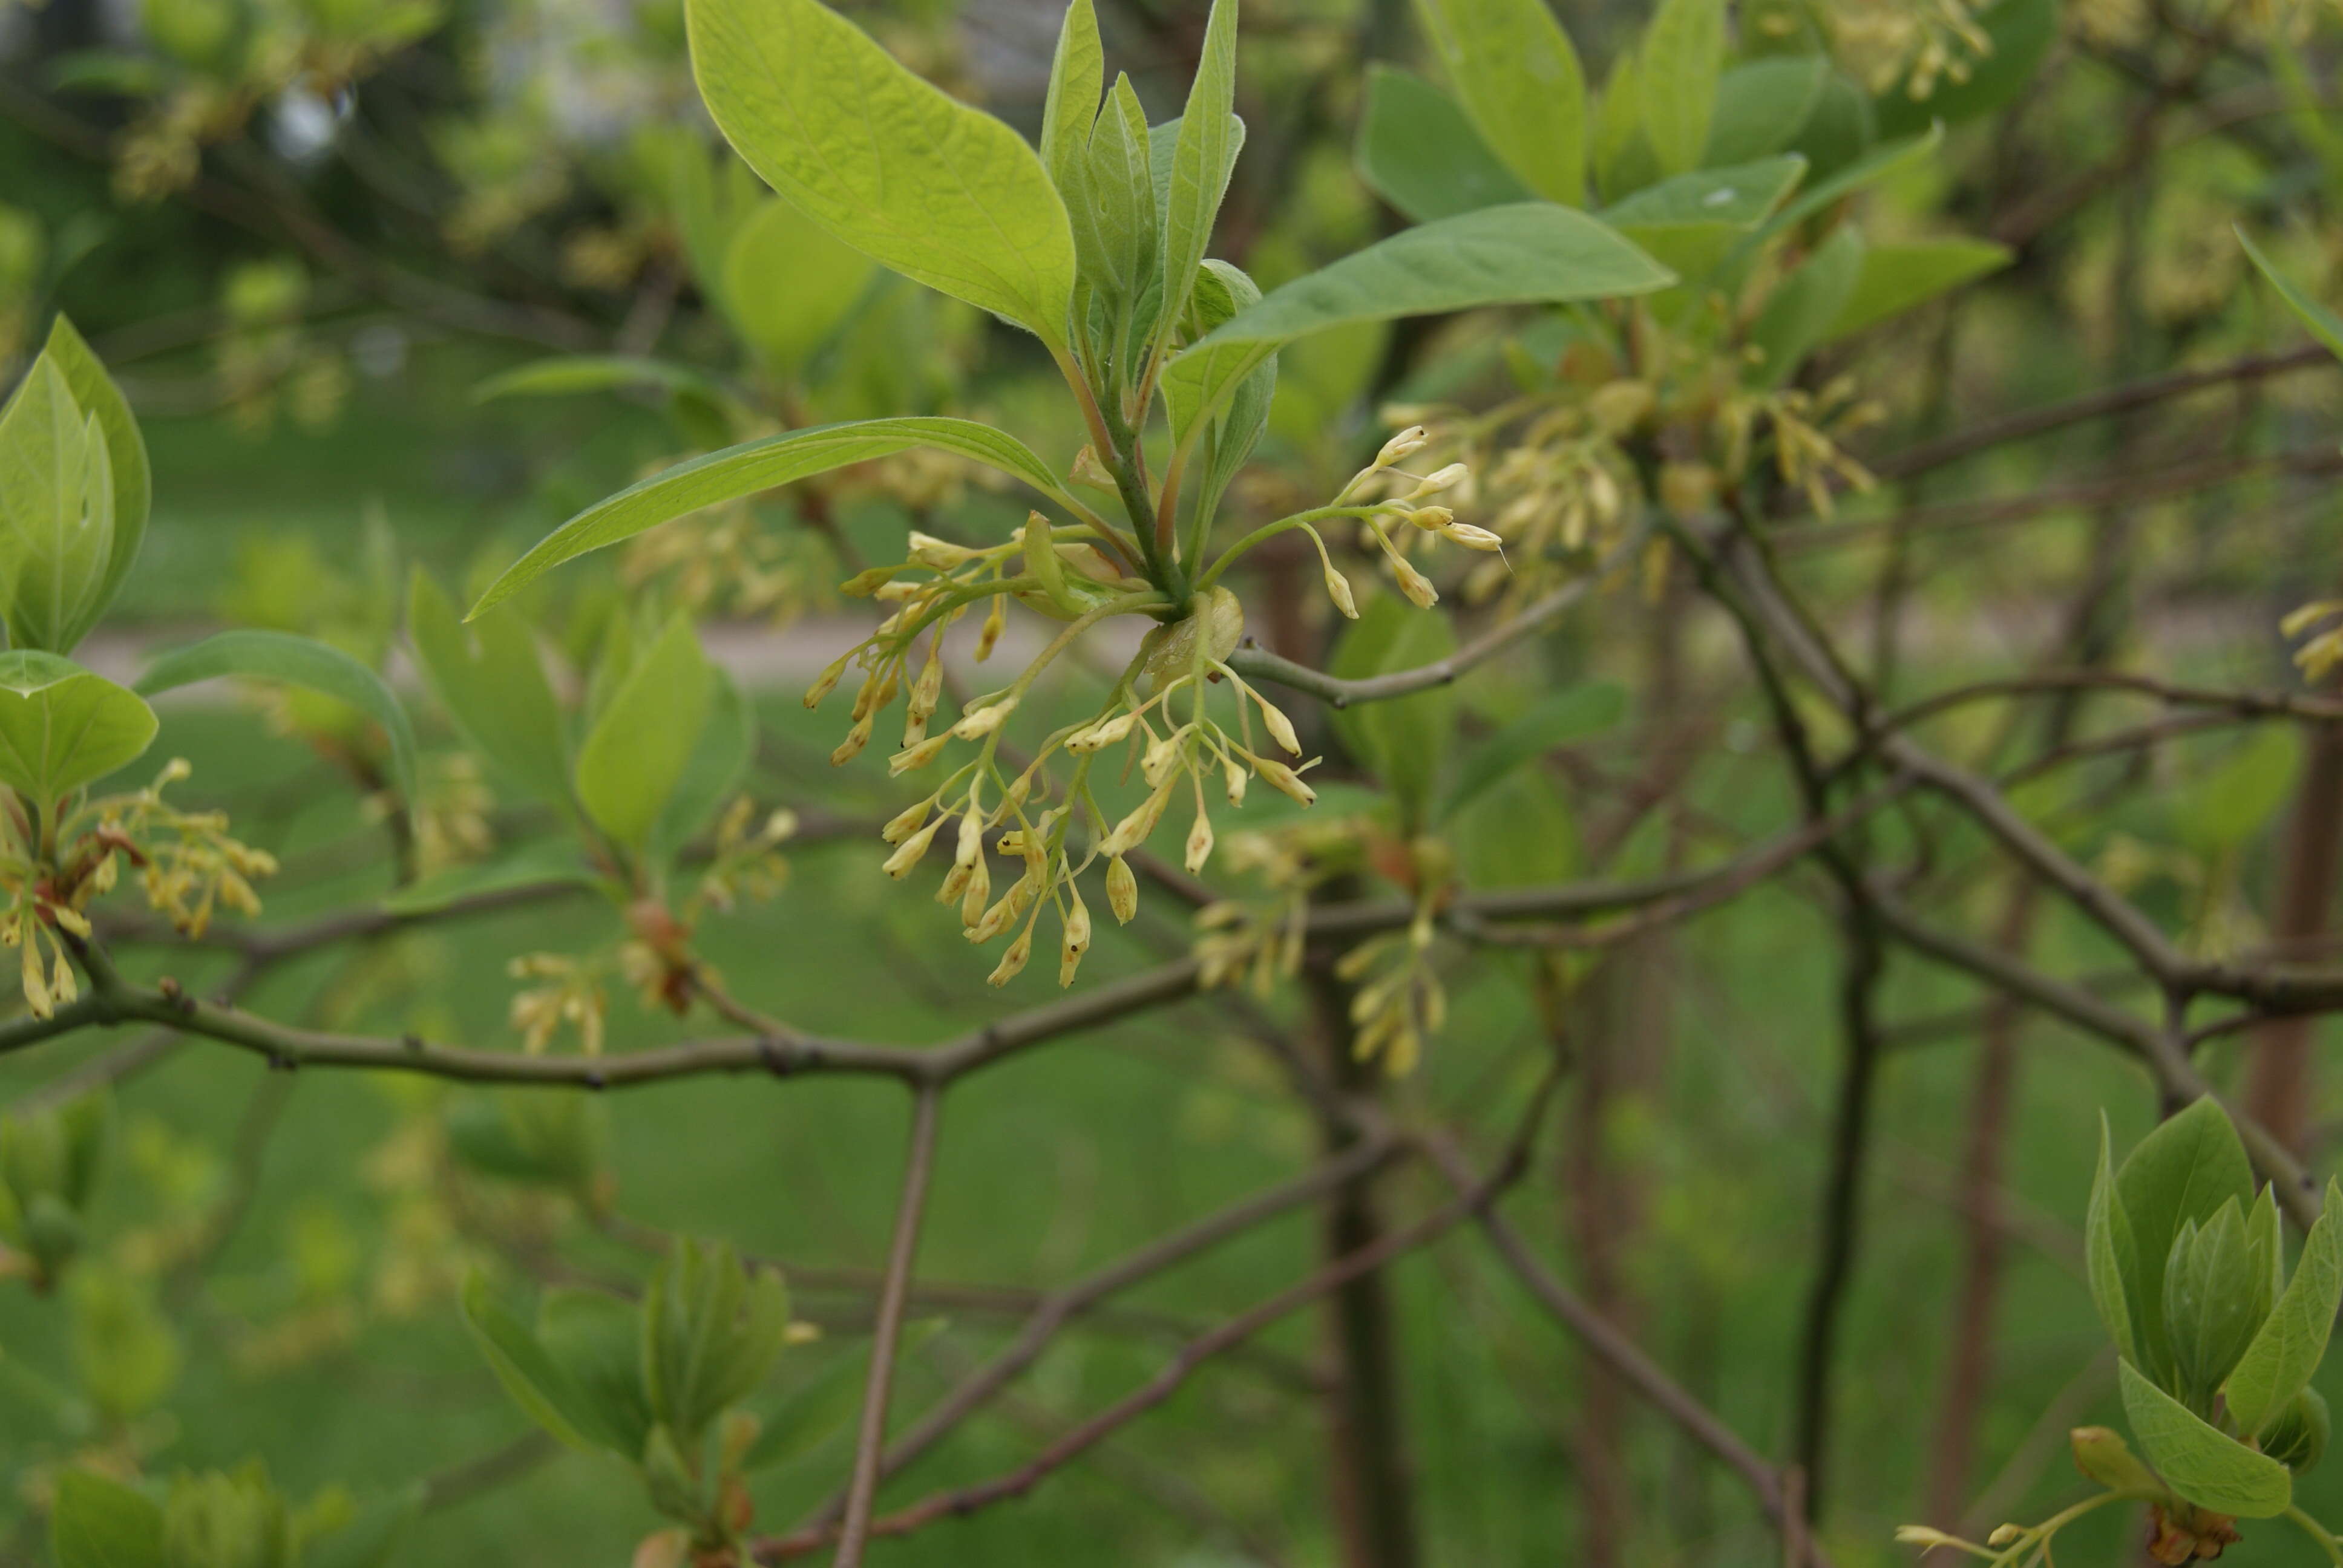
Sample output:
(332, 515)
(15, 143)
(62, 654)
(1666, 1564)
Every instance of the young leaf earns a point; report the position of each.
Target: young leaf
(755, 465)
(1120, 182)
(95, 393)
(942, 193)
(62, 728)
(1623, 153)
(637, 752)
(1404, 741)
(2196, 1461)
(2214, 1301)
(2323, 323)
(529, 865)
(94, 1523)
(2279, 1364)
(1077, 77)
(2182, 1171)
(1514, 67)
(302, 662)
(567, 375)
(720, 755)
(1587, 709)
(1762, 106)
(710, 1333)
(1204, 155)
(1897, 277)
(545, 1393)
(2108, 1256)
(1800, 309)
(1418, 152)
(789, 287)
(56, 512)
(1525, 253)
(1678, 67)
(596, 1340)
(1690, 222)
(492, 684)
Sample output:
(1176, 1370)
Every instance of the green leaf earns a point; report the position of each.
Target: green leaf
(2196, 1461)
(2229, 805)
(491, 680)
(1762, 106)
(545, 1393)
(2021, 32)
(530, 866)
(1404, 741)
(2109, 1257)
(1120, 182)
(1418, 152)
(719, 758)
(1204, 155)
(1800, 310)
(634, 758)
(789, 287)
(2181, 1172)
(62, 728)
(760, 465)
(1077, 78)
(99, 1524)
(1587, 709)
(56, 512)
(2215, 1298)
(1514, 67)
(1623, 153)
(568, 375)
(301, 661)
(1880, 163)
(597, 1340)
(710, 1333)
(125, 451)
(2323, 323)
(1518, 833)
(889, 164)
(1679, 66)
(1897, 277)
(2278, 1365)
(1690, 222)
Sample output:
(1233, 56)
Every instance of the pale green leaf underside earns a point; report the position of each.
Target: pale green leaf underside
(942, 193)
(2292, 1341)
(1897, 277)
(300, 661)
(2196, 1461)
(755, 465)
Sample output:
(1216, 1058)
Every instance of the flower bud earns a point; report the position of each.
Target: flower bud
(1440, 479)
(983, 721)
(1338, 588)
(973, 895)
(902, 826)
(1408, 441)
(1200, 841)
(1122, 889)
(865, 583)
(1286, 781)
(851, 747)
(1431, 519)
(1013, 960)
(916, 757)
(1279, 728)
(827, 682)
(1236, 783)
(972, 838)
(1471, 538)
(1414, 584)
(913, 851)
(1101, 735)
(941, 554)
(1077, 942)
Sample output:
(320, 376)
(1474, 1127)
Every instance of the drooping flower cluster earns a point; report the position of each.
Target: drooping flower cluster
(188, 867)
(2317, 658)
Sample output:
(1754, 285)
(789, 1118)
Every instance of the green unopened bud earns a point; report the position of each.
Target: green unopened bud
(1122, 889)
(2102, 1455)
